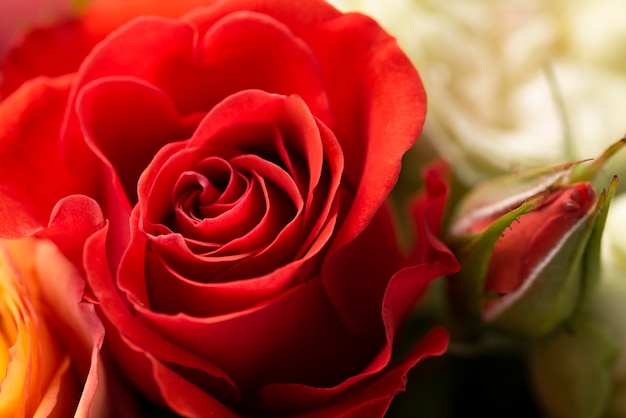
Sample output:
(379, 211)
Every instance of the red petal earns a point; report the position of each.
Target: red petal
(282, 63)
(213, 70)
(378, 106)
(537, 233)
(33, 175)
(124, 331)
(297, 18)
(373, 398)
(295, 337)
(356, 276)
(428, 209)
(60, 49)
(126, 121)
(180, 394)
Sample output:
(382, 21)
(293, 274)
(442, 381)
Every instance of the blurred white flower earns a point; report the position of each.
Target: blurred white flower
(486, 66)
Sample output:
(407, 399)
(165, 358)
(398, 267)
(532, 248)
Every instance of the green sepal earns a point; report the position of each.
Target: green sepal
(591, 263)
(500, 195)
(587, 172)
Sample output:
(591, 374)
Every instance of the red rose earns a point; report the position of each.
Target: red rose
(221, 181)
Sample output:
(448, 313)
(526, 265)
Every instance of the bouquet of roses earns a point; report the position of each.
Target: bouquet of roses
(218, 208)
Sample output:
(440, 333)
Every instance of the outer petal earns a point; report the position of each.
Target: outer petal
(33, 176)
(212, 62)
(374, 398)
(427, 213)
(78, 324)
(296, 18)
(182, 396)
(295, 337)
(356, 276)
(127, 133)
(60, 49)
(375, 122)
(124, 332)
(73, 219)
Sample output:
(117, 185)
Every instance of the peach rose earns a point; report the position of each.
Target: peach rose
(49, 346)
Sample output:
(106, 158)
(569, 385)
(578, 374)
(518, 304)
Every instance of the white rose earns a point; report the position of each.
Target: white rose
(485, 67)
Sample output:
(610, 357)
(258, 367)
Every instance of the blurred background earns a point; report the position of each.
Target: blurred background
(514, 84)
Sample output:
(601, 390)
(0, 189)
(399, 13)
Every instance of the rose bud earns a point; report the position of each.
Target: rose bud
(524, 244)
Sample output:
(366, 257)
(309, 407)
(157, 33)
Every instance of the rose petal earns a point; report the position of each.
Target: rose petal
(124, 329)
(194, 403)
(60, 49)
(242, 40)
(308, 345)
(371, 399)
(126, 121)
(360, 261)
(73, 219)
(29, 153)
(521, 249)
(296, 18)
(167, 48)
(375, 127)
(78, 323)
(427, 210)
(61, 393)
(172, 293)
